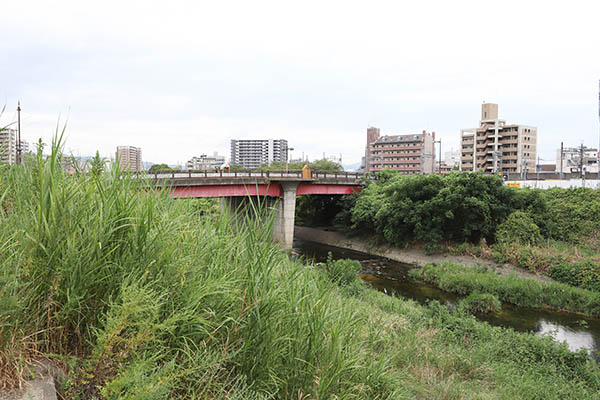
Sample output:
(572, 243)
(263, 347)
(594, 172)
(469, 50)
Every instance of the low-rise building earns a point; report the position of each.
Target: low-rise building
(577, 159)
(408, 154)
(497, 146)
(205, 163)
(452, 158)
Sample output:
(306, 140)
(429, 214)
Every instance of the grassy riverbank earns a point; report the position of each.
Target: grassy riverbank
(511, 289)
(140, 296)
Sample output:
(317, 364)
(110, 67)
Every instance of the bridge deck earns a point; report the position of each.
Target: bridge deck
(195, 178)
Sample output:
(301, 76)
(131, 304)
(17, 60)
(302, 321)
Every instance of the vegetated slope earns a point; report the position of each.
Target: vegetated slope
(554, 232)
(142, 296)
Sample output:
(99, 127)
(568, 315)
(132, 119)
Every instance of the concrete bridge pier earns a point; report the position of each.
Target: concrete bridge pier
(285, 214)
(283, 226)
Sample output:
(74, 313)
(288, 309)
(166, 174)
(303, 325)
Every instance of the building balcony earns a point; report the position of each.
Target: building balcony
(509, 141)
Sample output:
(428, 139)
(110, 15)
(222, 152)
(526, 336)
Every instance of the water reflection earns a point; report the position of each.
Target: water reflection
(392, 277)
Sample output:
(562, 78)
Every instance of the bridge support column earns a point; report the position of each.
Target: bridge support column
(283, 226)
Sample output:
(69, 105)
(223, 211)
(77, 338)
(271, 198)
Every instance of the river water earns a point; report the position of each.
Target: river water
(392, 277)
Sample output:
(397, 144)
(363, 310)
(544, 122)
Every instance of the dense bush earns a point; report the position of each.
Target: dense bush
(585, 274)
(430, 208)
(572, 214)
(317, 210)
(520, 228)
(481, 303)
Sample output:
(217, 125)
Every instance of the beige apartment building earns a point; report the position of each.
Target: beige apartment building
(407, 154)
(129, 158)
(496, 146)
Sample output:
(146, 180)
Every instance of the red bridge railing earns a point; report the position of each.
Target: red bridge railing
(315, 175)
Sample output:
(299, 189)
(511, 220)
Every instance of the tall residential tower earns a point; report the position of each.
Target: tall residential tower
(129, 158)
(496, 146)
(253, 153)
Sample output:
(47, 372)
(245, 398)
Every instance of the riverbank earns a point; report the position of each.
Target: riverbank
(412, 256)
(140, 296)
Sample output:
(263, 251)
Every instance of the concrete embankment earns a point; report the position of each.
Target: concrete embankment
(416, 257)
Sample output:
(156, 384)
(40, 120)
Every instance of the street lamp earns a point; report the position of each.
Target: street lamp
(287, 149)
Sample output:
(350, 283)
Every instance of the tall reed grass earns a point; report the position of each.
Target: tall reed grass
(140, 296)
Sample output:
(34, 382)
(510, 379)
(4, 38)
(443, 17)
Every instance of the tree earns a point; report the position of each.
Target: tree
(160, 167)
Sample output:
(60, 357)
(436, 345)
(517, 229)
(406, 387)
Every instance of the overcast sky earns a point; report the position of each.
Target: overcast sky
(180, 79)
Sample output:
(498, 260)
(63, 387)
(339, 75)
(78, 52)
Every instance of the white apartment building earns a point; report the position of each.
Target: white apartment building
(452, 158)
(253, 153)
(572, 160)
(205, 163)
(8, 146)
(129, 158)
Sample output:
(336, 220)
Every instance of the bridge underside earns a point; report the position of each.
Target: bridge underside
(283, 197)
(272, 190)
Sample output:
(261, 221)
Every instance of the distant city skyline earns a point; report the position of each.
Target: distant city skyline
(185, 79)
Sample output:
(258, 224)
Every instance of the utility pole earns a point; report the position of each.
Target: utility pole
(433, 157)
(581, 161)
(561, 161)
(598, 152)
(19, 132)
(440, 160)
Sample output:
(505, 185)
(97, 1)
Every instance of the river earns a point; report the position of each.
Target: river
(391, 277)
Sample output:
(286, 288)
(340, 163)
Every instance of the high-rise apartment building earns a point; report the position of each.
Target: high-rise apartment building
(205, 163)
(408, 154)
(496, 146)
(8, 145)
(253, 153)
(129, 158)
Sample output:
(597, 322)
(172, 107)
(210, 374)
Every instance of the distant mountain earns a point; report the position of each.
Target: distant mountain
(351, 167)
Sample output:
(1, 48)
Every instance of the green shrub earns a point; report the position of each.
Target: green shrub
(520, 228)
(342, 272)
(584, 273)
(572, 214)
(481, 303)
(430, 208)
